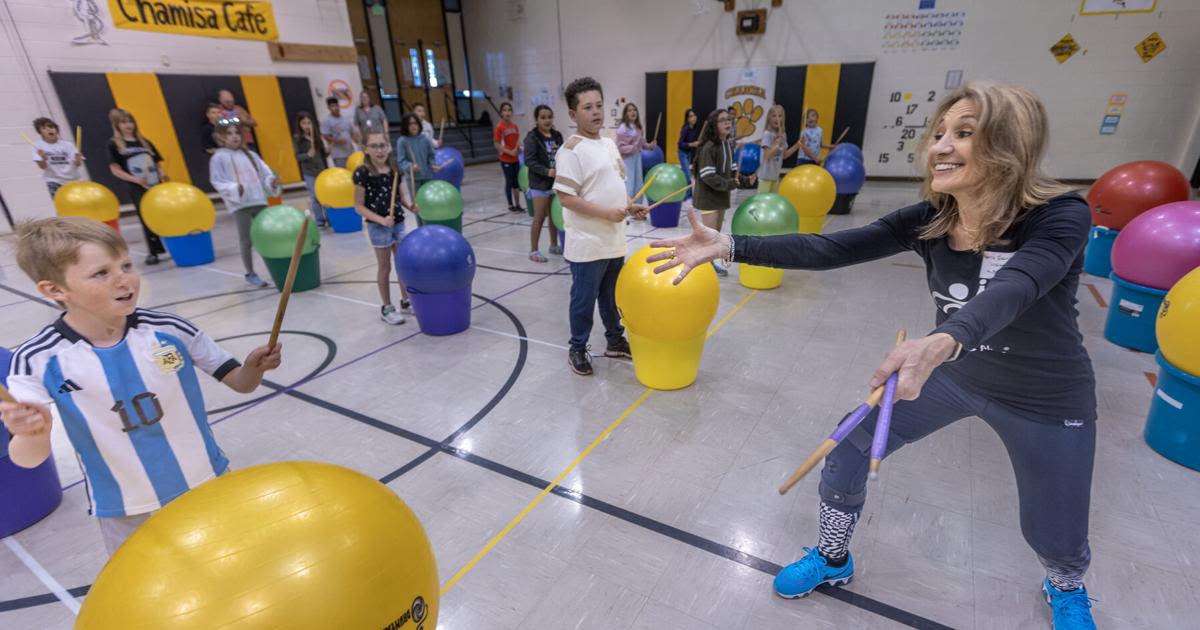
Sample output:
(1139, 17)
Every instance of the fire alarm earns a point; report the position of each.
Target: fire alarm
(752, 22)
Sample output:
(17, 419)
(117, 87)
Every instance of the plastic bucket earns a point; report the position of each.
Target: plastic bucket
(1173, 426)
(1131, 315)
(190, 250)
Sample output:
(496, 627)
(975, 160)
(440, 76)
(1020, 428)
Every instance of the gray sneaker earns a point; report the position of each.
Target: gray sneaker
(253, 279)
(390, 315)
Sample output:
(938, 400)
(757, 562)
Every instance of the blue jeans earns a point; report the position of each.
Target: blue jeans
(685, 163)
(633, 174)
(593, 282)
(318, 211)
(1052, 464)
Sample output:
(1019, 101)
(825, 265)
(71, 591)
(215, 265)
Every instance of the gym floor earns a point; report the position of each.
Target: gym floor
(610, 505)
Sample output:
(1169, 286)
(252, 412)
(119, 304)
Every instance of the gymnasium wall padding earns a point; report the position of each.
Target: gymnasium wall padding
(679, 99)
(853, 96)
(265, 102)
(175, 102)
(789, 92)
(656, 105)
(86, 101)
(140, 94)
(704, 92)
(820, 93)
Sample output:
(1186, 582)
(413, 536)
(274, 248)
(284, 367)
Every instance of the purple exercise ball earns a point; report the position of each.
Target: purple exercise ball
(1159, 246)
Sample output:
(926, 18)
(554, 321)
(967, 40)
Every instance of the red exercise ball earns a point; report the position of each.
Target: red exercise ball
(1131, 189)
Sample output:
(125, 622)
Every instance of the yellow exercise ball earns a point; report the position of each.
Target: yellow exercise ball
(1178, 325)
(87, 199)
(177, 209)
(811, 191)
(286, 545)
(335, 188)
(355, 160)
(667, 324)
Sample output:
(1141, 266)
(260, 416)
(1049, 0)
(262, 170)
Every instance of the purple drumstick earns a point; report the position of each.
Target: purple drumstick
(883, 425)
(852, 420)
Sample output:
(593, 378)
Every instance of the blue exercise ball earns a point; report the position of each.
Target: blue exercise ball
(848, 173)
(450, 164)
(749, 157)
(435, 259)
(651, 158)
(847, 148)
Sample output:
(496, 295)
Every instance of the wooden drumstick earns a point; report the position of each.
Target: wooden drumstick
(664, 199)
(293, 266)
(643, 189)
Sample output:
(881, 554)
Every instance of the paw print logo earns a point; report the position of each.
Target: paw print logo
(747, 114)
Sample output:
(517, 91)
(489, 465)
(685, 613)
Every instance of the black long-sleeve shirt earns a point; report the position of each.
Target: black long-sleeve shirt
(1012, 307)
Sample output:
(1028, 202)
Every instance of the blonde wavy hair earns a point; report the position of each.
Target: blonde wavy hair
(116, 116)
(1008, 145)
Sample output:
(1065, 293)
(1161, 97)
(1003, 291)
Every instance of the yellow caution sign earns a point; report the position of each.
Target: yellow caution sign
(1064, 48)
(1149, 48)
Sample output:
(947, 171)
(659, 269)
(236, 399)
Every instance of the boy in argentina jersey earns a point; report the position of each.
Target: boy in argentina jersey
(124, 379)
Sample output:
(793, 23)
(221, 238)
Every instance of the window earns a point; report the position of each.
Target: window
(414, 59)
(431, 65)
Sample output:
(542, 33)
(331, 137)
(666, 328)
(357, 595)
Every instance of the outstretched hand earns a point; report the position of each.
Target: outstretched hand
(703, 245)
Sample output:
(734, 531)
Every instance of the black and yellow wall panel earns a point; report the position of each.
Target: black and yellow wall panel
(169, 109)
(272, 131)
(140, 94)
(839, 92)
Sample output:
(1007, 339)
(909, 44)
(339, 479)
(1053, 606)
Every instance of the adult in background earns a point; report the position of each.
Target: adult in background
(340, 133)
(1012, 354)
(233, 112)
(370, 116)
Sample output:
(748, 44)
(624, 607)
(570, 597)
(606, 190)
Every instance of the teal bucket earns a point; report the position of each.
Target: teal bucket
(1097, 257)
(1173, 426)
(1131, 315)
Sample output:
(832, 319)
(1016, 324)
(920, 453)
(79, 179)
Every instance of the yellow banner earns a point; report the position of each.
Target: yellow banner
(207, 18)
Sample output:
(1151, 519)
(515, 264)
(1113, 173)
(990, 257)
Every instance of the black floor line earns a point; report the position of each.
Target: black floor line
(522, 271)
(29, 296)
(330, 353)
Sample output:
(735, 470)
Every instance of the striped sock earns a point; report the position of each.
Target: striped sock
(1064, 581)
(836, 528)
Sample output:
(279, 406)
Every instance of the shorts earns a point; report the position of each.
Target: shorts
(383, 236)
(115, 529)
(540, 193)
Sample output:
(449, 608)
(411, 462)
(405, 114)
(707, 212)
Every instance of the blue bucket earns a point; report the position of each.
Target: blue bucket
(344, 219)
(1097, 257)
(190, 250)
(666, 215)
(440, 314)
(1131, 315)
(1173, 426)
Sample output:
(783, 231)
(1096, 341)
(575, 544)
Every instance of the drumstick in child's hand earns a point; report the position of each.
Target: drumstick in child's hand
(664, 199)
(26, 138)
(79, 138)
(441, 129)
(8, 398)
(844, 132)
(641, 191)
(657, 124)
(287, 284)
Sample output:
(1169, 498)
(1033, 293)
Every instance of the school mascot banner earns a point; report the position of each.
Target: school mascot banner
(749, 92)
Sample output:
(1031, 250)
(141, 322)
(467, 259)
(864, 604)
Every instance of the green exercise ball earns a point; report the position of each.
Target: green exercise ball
(439, 201)
(669, 179)
(765, 214)
(274, 230)
(523, 178)
(556, 212)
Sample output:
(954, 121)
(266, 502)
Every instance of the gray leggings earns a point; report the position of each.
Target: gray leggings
(245, 216)
(1052, 462)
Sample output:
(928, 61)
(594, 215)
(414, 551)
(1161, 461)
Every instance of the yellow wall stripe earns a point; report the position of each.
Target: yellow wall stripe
(142, 95)
(820, 92)
(679, 100)
(272, 132)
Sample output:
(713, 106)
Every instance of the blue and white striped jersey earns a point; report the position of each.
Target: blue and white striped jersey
(134, 411)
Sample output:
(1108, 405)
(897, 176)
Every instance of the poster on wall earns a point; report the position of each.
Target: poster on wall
(907, 118)
(750, 92)
(919, 32)
(1109, 7)
(249, 19)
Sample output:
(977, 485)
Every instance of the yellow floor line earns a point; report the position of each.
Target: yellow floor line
(566, 471)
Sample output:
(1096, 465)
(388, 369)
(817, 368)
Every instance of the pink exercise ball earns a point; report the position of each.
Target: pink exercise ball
(1160, 246)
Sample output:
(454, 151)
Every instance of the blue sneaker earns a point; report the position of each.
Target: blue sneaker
(799, 578)
(1071, 608)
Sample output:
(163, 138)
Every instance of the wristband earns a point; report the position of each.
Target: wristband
(729, 255)
(956, 354)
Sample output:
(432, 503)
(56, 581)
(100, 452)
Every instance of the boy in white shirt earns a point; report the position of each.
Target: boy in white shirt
(59, 159)
(590, 181)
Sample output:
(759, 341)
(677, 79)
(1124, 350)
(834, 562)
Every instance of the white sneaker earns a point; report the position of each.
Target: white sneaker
(390, 315)
(253, 279)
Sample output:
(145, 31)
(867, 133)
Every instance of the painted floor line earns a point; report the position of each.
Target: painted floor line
(43, 575)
